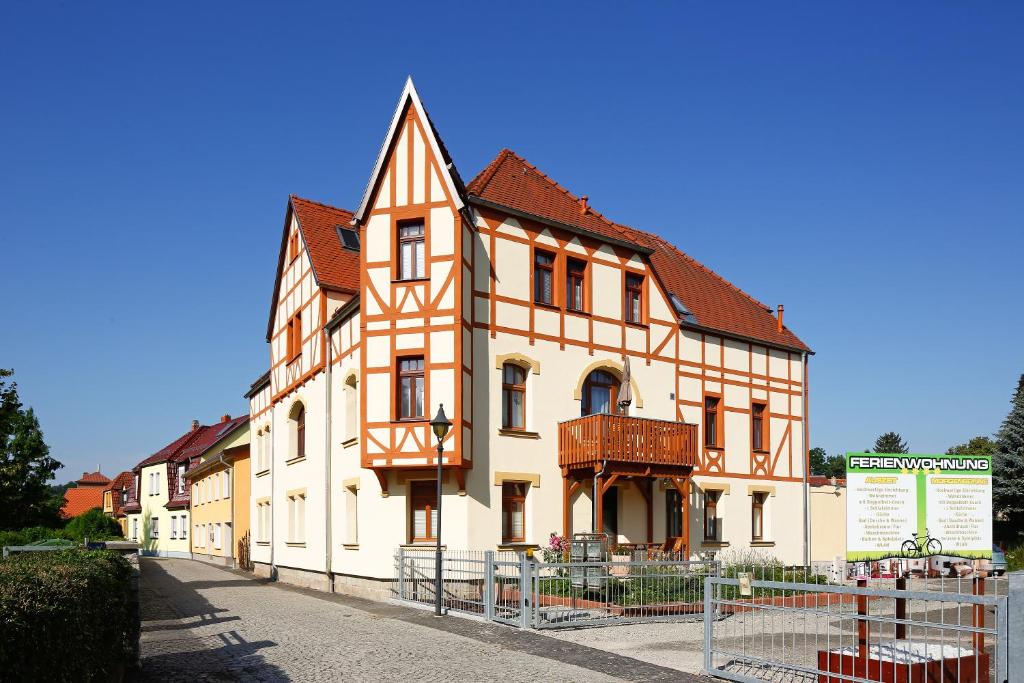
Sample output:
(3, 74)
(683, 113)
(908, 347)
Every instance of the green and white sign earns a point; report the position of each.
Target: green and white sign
(912, 506)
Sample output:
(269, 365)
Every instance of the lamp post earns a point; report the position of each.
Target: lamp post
(440, 424)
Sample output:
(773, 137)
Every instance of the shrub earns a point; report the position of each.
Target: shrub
(1015, 559)
(29, 535)
(65, 615)
(94, 525)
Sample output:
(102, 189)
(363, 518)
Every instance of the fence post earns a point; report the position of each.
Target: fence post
(708, 622)
(1014, 631)
(489, 585)
(401, 573)
(524, 586)
(901, 609)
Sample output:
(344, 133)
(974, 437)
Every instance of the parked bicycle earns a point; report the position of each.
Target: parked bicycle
(918, 547)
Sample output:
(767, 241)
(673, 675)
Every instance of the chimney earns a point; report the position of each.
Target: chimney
(195, 425)
(778, 319)
(225, 418)
(583, 205)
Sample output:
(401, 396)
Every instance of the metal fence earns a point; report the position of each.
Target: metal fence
(769, 629)
(514, 589)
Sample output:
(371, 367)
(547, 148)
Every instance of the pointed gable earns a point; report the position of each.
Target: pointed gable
(449, 174)
(510, 181)
(334, 266)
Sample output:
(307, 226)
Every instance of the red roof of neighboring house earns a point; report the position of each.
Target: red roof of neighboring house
(821, 480)
(125, 480)
(79, 500)
(189, 445)
(511, 181)
(96, 478)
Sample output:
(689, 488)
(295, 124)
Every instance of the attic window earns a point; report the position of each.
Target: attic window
(681, 309)
(349, 238)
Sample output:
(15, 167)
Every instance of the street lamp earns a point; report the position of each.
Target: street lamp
(440, 424)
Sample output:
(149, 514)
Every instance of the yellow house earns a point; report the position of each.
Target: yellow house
(828, 520)
(220, 497)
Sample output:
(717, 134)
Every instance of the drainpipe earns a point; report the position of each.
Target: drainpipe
(593, 524)
(327, 458)
(273, 497)
(807, 491)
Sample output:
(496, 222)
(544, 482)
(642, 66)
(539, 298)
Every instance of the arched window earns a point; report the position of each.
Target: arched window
(600, 393)
(513, 396)
(298, 432)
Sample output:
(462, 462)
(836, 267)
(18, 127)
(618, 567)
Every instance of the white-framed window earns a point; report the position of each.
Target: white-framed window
(227, 484)
(154, 527)
(263, 521)
(198, 536)
(297, 518)
(184, 527)
(135, 529)
(174, 526)
(216, 536)
(181, 479)
(351, 514)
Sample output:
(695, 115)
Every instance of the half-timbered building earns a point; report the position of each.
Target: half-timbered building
(523, 310)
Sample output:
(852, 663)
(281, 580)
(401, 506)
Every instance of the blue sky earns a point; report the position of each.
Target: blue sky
(861, 163)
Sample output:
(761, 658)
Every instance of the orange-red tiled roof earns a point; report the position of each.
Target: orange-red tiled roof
(79, 500)
(93, 478)
(511, 181)
(333, 265)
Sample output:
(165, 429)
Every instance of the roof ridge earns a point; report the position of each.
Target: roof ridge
(558, 186)
(313, 201)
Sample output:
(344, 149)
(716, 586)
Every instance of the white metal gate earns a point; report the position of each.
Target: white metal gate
(787, 631)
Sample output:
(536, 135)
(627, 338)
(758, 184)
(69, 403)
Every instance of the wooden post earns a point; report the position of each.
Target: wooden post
(598, 505)
(901, 609)
(863, 630)
(684, 493)
(978, 614)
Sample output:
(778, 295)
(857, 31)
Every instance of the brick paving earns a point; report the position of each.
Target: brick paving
(205, 623)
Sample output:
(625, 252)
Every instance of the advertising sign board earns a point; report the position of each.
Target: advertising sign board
(913, 506)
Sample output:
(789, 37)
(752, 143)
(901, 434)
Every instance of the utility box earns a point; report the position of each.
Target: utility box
(587, 556)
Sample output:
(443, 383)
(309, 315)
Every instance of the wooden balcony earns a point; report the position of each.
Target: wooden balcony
(629, 445)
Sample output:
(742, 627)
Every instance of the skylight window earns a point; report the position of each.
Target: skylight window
(681, 309)
(349, 238)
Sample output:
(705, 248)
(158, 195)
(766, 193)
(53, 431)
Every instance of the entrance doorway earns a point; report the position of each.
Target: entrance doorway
(610, 512)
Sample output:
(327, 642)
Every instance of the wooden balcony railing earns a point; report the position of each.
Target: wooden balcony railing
(587, 441)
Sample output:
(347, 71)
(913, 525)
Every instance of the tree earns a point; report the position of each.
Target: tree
(1008, 469)
(979, 445)
(25, 463)
(827, 465)
(891, 442)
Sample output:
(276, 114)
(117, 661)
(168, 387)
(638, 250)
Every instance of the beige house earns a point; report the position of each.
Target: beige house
(219, 502)
(828, 519)
(517, 306)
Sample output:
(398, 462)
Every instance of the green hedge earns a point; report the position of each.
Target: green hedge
(65, 615)
(92, 524)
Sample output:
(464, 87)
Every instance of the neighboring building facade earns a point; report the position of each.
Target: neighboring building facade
(115, 496)
(219, 508)
(515, 305)
(87, 494)
(828, 519)
(157, 509)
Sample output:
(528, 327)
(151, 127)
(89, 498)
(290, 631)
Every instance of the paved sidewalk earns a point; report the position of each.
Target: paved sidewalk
(201, 622)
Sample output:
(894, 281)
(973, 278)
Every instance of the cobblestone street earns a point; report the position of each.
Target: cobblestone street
(201, 622)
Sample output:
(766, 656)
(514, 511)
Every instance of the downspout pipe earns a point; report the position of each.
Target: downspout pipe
(597, 497)
(273, 493)
(327, 458)
(806, 463)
